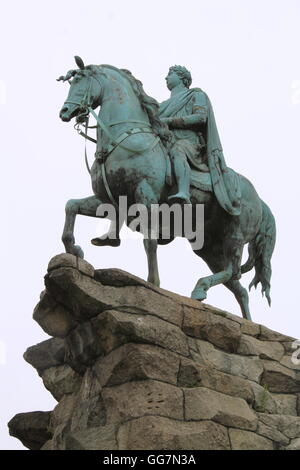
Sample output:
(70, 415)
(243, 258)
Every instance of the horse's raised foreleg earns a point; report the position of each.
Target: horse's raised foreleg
(86, 206)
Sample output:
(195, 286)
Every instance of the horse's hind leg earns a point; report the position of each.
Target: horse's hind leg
(86, 206)
(225, 263)
(229, 277)
(205, 283)
(241, 296)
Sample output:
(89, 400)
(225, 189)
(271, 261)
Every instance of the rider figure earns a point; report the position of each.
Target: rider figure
(185, 113)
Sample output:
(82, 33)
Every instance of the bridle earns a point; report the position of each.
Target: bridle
(86, 105)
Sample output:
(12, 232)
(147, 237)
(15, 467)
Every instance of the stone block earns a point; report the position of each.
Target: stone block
(279, 378)
(82, 347)
(61, 380)
(217, 329)
(245, 440)
(204, 404)
(133, 362)
(287, 425)
(86, 297)
(270, 335)
(291, 362)
(63, 411)
(115, 328)
(286, 404)
(245, 367)
(90, 385)
(67, 260)
(145, 397)
(159, 433)
(294, 444)
(250, 328)
(52, 317)
(272, 434)
(193, 374)
(47, 354)
(250, 346)
(97, 438)
(32, 429)
(89, 413)
(264, 402)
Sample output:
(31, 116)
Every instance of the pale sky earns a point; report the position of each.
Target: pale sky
(243, 53)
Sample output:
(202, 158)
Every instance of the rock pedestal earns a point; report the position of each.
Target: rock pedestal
(136, 367)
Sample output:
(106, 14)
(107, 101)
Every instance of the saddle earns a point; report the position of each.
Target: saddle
(201, 180)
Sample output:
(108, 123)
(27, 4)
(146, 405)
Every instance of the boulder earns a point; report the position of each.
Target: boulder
(47, 354)
(54, 318)
(32, 429)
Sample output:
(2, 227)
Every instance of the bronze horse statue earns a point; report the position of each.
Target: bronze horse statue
(132, 161)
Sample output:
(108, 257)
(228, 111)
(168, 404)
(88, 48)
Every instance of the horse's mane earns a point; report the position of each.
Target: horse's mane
(149, 104)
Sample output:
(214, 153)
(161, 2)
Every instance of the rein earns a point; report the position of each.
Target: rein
(86, 106)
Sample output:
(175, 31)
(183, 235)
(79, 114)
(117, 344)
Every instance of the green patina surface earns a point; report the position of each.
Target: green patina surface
(147, 152)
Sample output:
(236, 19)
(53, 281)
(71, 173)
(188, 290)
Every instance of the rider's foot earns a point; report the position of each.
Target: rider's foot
(106, 241)
(180, 197)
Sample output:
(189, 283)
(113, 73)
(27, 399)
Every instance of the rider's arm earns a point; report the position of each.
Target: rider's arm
(197, 117)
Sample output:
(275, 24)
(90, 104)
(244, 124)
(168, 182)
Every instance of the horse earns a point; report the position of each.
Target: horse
(131, 160)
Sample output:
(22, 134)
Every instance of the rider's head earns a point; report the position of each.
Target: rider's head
(183, 74)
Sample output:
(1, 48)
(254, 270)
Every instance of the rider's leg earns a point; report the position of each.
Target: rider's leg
(183, 174)
(112, 237)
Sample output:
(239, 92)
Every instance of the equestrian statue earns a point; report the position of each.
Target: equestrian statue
(167, 154)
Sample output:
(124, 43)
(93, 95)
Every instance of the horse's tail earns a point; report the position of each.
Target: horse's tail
(260, 252)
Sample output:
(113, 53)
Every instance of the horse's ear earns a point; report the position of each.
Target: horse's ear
(79, 62)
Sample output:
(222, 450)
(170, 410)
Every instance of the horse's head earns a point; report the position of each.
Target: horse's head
(84, 92)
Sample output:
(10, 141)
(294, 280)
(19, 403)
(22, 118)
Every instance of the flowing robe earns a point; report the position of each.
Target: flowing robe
(183, 107)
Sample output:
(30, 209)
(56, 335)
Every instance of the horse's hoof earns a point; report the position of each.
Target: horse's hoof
(106, 241)
(199, 294)
(78, 251)
(155, 282)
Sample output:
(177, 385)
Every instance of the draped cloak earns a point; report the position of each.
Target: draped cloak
(225, 181)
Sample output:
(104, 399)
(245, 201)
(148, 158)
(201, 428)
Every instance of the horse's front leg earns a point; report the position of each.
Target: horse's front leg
(86, 206)
(145, 196)
(151, 250)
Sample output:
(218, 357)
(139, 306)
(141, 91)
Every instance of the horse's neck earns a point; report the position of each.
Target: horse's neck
(120, 104)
